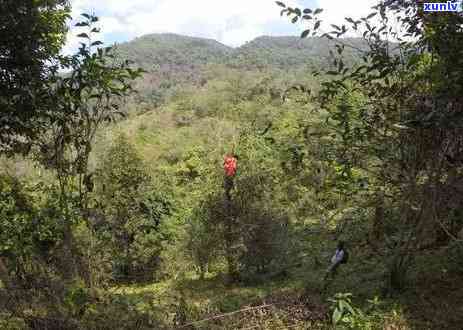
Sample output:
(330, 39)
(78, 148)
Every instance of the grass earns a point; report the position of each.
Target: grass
(295, 302)
(433, 300)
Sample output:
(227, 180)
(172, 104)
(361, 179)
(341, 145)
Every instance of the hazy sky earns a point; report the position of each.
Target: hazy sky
(232, 22)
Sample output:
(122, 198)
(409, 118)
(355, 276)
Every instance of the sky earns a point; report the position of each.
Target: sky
(231, 22)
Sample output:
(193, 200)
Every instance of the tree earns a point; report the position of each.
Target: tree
(410, 123)
(16, 214)
(79, 103)
(133, 210)
(31, 36)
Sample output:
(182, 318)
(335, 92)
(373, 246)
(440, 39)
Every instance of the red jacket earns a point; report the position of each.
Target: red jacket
(229, 165)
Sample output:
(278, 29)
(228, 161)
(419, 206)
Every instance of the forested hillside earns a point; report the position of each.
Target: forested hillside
(173, 61)
(172, 182)
(292, 53)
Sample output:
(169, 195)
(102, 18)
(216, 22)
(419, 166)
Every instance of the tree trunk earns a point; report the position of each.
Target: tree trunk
(378, 220)
(230, 239)
(69, 269)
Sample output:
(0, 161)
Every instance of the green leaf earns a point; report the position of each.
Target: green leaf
(294, 20)
(327, 35)
(318, 11)
(281, 4)
(343, 305)
(371, 15)
(335, 26)
(350, 20)
(83, 35)
(307, 17)
(337, 314)
(305, 34)
(350, 309)
(96, 43)
(307, 11)
(317, 25)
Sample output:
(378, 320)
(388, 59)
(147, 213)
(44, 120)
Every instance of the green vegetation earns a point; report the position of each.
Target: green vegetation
(25, 69)
(113, 210)
(173, 62)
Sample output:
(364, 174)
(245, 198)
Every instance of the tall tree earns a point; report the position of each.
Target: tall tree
(32, 34)
(82, 100)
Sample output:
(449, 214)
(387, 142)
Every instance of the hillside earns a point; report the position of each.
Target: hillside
(292, 52)
(237, 189)
(172, 60)
(169, 51)
(161, 52)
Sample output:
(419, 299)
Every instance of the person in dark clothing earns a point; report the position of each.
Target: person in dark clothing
(339, 257)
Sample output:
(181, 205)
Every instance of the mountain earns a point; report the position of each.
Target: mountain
(168, 50)
(173, 60)
(293, 52)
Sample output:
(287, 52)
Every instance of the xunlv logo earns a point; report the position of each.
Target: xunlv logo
(441, 6)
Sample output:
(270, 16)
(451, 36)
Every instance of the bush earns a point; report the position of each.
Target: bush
(117, 311)
(133, 211)
(204, 240)
(253, 237)
(455, 256)
(346, 316)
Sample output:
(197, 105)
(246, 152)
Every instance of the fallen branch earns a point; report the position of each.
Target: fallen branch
(225, 315)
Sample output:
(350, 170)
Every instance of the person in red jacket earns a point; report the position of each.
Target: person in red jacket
(230, 165)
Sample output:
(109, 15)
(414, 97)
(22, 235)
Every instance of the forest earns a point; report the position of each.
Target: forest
(172, 182)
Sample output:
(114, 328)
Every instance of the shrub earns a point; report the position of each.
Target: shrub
(133, 210)
(249, 233)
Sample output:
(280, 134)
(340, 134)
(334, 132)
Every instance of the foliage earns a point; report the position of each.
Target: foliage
(454, 256)
(366, 149)
(346, 316)
(132, 208)
(174, 63)
(30, 234)
(404, 105)
(31, 34)
(79, 104)
(204, 239)
(16, 214)
(252, 235)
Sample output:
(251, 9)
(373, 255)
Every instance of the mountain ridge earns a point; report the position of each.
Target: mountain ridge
(162, 48)
(171, 60)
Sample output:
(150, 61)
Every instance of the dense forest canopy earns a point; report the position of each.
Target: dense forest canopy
(299, 182)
